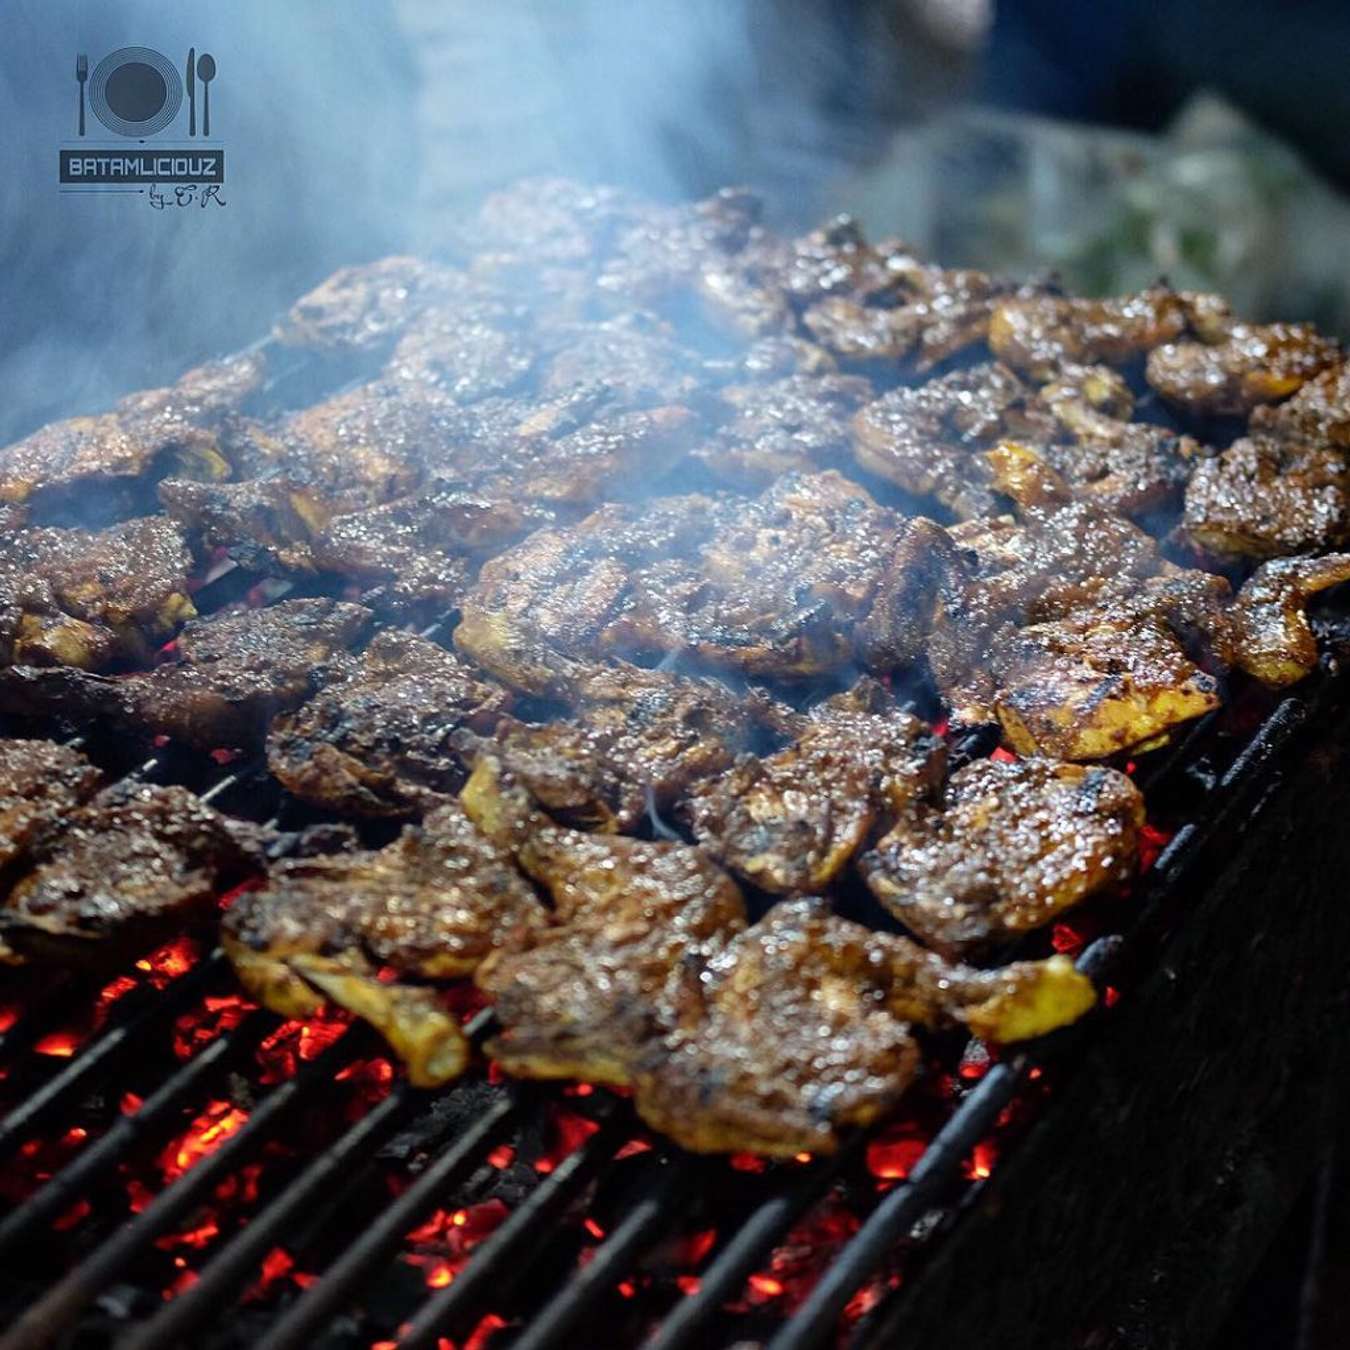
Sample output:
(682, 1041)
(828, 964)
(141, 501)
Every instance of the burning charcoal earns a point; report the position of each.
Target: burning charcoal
(803, 1028)
(110, 877)
(791, 822)
(40, 783)
(230, 675)
(432, 904)
(1240, 369)
(81, 598)
(376, 740)
(1005, 849)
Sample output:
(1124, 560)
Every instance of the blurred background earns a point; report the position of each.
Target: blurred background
(1112, 141)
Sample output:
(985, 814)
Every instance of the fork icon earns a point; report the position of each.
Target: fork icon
(82, 74)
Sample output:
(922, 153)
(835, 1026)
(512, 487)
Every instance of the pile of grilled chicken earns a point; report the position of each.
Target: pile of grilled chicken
(704, 506)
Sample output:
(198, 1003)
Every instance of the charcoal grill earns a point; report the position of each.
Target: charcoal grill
(183, 1168)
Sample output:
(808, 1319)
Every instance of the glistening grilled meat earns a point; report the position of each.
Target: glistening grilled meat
(1004, 849)
(930, 439)
(432, 904)
(791, 822)
(111, 877)
(366, 307)
(40, 783)
(95, 466)
(74, 597)
(804, 1029)
(388, 439)
(228, 677)
(786, 588)
(1247, 366)
(377, 739)
(1040, 332)
(619, 960)
(1285, 489)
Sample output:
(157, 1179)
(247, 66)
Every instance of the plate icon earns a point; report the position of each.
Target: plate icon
(135, 91)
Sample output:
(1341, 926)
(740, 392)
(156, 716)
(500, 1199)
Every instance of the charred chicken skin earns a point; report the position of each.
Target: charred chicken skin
(432, 904)
(1004, 848)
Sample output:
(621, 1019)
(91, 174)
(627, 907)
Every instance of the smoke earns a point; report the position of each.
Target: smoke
(352, 131)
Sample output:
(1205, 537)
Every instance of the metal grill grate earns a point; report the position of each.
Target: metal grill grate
(512, 1273)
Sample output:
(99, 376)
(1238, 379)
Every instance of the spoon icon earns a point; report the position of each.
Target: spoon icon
(206, 72)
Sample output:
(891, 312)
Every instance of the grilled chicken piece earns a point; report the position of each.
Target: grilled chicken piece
(1107, 679)
(469, 348)
(791, 425)
(1039, 332)
(536, 616)
(778, 591)
(1272, 639)
(660, 254)
(619, 959)
(1250, 365)
(419, 554)
(232, 673)
(786, 586)
(40, 784)
(366, 307)
(1005, 849)
(925, 438)
(430, 905)
(112, 876)
(376, 740)
(633, 357)
(804, 1030)
(1067, 626)
(1318, 414)
(926, 314)
(635, 743)
(791, 822)
(541, 224)
(1285, 489)
(93, 467)
(930, 439)
(1265, 497)
(88, 598)
(384, 440)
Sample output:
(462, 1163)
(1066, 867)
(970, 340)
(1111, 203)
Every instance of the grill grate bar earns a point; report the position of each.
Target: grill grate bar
(102, 1055)
(229, 1271)
(61, 1305)
(648, 1221)
(754, 1238)
(128, 1131)
(506, 1255)
(816, 1319)
(321, 1301)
